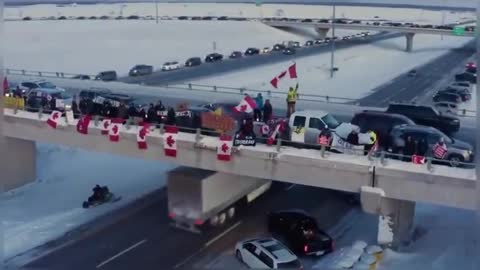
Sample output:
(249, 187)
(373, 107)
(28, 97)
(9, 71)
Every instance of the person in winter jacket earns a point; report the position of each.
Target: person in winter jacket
(352, 137)
(409, 149)
(171, 117)
(122, 111)
(257, 113)
(292, 97)
(151, 114)
(267, 111)
(422, 147)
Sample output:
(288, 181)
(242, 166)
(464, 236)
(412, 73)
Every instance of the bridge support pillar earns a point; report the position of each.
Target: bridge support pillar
(409, 37)
(322, 32)
(19, 163)
(395, 221)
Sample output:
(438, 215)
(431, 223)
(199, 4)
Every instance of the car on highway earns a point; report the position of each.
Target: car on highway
(252, 51)
(289, 51)
(307, 20)
(182, 18)
(266, 253)
(381, 123)
(321, 41)
(222, 18)
(104, 18)
(470, 65)
(464, 93)
(300, 232)
(266, 50)
(133, 17)
(81, 77)
(426, 115)
(457, 151)
(106, 76)
(472, 69)
(193, 61)
(235, 55)
(447, 96)
(168, 66)
(412, 73)
(279, 47)
(213, 57)
(309, 43)
(459, 85)
(466, 76)
(36, 84)
(140, 70)
(445, 107)
(92, 17)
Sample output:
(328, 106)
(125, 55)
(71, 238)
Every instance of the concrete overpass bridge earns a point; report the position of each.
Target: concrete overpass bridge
(322, 29)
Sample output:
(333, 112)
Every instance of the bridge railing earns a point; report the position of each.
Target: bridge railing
(47, 74)
(221, 89)
(376, 156)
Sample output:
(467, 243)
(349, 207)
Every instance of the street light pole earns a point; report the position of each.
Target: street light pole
(156, 10)
(332, 59)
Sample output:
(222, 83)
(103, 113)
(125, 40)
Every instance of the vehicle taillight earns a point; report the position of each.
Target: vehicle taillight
(305, 248)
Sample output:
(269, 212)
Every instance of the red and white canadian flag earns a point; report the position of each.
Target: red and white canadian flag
(83, 123)
(170, 141)
(114, 130)
(280, 127)
(142, 136)
(247, 105)
(292, 74)
(224, 149)
(106, 126)
(54, 118)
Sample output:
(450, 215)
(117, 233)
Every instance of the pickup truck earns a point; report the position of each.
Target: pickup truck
(303, 130)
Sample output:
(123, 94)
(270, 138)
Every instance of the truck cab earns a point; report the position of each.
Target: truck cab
(311, 123)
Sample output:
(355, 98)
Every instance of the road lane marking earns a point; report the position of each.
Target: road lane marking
(207, 245)
(290, 187)
(121, 253)
(223, 233)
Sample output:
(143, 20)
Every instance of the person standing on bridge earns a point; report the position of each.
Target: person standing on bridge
(292, 97)
(267, 111)
(257, 112)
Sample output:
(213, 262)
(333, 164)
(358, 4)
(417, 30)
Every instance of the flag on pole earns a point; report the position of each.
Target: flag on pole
(106, 126)
(83, 123)
(292, 74)
(247, 105)
(114, 130)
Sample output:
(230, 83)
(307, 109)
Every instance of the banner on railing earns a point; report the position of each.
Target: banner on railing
(13, 102)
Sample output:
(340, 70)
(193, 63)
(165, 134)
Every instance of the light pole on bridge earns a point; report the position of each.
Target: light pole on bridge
(156, 11)
(332, 58)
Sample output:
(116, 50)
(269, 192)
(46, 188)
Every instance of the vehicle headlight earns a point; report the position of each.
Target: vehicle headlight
(68, 107)
(7, 94)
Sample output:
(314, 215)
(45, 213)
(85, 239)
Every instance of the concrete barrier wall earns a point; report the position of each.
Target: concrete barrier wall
(19, 159)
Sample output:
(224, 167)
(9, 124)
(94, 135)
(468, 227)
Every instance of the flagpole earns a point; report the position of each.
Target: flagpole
(332, 59)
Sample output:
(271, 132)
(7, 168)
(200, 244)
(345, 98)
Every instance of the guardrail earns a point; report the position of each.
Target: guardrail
(47, 74)
(220, 89)
(379, 155)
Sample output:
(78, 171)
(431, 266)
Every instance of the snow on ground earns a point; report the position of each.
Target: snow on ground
(361, 68)
(233, 9)
(52, 206)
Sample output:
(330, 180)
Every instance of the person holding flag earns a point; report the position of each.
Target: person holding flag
(292, 96)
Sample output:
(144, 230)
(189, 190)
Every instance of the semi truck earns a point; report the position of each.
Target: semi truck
(199, 200)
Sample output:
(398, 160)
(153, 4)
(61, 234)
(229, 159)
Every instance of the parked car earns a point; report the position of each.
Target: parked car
(321, 41)
(470, 64)
(38, 84)
(464, 93)
(106, 76)
(446, 96)
(289, 51)
(168, 66)
(104, 18)
(457, 151)
(266, 253)
(307, 20)
(182, 18)
(92, 17)
(235, 55)
(193, 61)
(141, 70)
(252, 51)
(460, 85)
(133, 17)
(222, 18)
(37, 96)
(426, 115)
(27, 18)
(62, 18)
(81, 18)
(466, 76)
(196, 18)
(300, 232)
(445, 107)
(381, 123)
(213, 57)
(266, 50)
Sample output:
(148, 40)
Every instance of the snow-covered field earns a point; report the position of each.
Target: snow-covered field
(361, 69)
(52, 206)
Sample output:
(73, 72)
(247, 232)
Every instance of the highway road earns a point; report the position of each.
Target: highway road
(227, 65)
(146, 241)
(430, 75)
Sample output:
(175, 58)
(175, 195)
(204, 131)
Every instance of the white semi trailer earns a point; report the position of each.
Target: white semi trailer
(199, 199)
